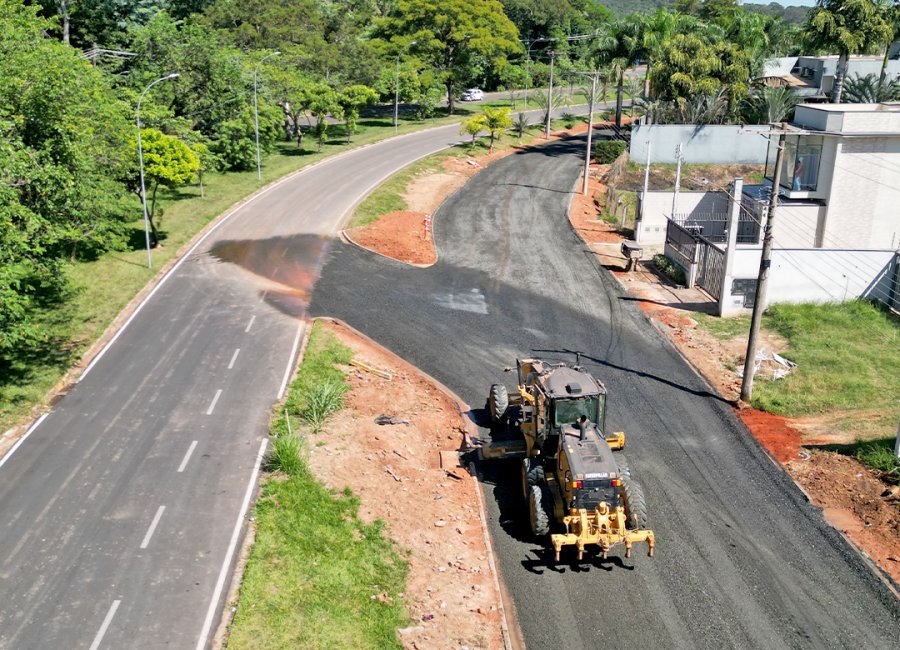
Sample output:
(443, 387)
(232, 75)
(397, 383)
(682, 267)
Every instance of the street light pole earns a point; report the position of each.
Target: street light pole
(587, 155)
(397, 85)
(528, 60)
(256, 113)
(550, 95)
(763, 279)
(174, 75)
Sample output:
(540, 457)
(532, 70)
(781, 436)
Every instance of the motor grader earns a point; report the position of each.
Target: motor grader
(571, 478)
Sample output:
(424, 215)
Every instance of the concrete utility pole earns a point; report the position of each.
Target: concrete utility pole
(678, 159)
(587, 154)
(550, 95)
(137, 120)
(763, 278)
(256, 114)
(397, 85)
(897, 443)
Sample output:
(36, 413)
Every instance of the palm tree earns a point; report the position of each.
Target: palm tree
(870, 90)
(496, 121)
(616, 46)
(634, 88)
(892, 16)
(770, 104)
(656, 29)
(848, 27)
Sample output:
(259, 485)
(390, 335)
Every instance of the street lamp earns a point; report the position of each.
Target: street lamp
(256, 113)
(397, 84)
(168, 77)
(528, 60)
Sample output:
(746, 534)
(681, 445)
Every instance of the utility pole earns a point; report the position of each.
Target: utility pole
(639, 216)
(550, 94)
(678, 158)
(763, 278)
(587, 154)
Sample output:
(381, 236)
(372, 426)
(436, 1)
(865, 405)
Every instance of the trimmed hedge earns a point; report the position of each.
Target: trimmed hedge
(606, 151)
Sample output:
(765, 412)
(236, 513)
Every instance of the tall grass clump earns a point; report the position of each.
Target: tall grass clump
(285, 455)
(320, 401)
(879, 454)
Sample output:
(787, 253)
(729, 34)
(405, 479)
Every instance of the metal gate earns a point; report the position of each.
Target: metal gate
(710, 267)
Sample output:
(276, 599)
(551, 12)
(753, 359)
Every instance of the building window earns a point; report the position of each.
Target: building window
(800, 169)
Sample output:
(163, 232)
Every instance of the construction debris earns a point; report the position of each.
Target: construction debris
(390, 419)
(375, 371)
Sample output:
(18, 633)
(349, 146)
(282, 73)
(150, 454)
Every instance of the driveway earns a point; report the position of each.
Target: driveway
(742, 559)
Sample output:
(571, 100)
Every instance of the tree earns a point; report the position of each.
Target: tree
(771, 104)
(496, 121)
(892, 17)
(351, 99)
(452, 36)
(472, 126)
(689, 67)
(869, 89)
(169, 162)
(847, 27)
(235, 140)
(321, 101)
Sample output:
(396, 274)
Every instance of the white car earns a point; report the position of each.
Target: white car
(472, 95)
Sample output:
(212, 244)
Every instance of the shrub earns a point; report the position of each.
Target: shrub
(284, 455)
(607, 151)
(569, 119)
(879, 455)
(669, 269)
(320, 401)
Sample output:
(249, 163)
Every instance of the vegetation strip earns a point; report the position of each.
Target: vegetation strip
(315, 569)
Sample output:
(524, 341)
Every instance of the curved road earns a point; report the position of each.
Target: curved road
(742, 559)
(119, 511)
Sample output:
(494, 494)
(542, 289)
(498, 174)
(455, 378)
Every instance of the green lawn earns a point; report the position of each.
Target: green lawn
(848, 364)
(318, 577)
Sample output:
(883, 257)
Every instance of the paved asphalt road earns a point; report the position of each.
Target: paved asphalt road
(119, 510)
(742, 559)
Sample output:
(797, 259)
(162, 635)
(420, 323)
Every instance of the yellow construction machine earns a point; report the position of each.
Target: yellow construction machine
(571, 478)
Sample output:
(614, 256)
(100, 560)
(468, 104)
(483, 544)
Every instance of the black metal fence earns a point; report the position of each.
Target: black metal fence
(714, 226)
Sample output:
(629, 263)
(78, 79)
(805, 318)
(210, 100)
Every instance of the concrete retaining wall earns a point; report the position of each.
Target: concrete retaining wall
(729, 143)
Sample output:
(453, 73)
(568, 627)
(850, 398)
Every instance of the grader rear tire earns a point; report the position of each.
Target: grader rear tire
(622, 465)
(532, 474)
(540, 510)
(498, 402)
(635, 506)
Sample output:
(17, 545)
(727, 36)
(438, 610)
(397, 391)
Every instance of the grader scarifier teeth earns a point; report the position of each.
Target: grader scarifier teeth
(603, 527)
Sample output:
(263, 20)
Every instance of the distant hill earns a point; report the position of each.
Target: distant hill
(795, 15)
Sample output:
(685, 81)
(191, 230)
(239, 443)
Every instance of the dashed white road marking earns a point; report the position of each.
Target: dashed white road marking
(187, 456)
(153, 525)
(232, 546)
(250, 324)
(213, 404)
(290, 363)
(233, 358)
(106, 621)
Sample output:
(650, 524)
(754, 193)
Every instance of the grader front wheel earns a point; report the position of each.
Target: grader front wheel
(498, 402)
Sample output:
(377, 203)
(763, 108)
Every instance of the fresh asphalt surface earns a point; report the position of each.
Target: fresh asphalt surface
(742, 559)
(119, 509)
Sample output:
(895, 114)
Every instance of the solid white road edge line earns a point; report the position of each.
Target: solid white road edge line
(22, 439)
(233, 358)
(187, 456)
(223, 573)
(213, 404)
(290, 365)
(106, 621)
(153, 524)
(250, 324)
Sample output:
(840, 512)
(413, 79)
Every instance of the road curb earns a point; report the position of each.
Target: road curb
(512, 635)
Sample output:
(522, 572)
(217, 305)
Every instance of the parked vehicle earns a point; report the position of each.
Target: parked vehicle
(472, 95)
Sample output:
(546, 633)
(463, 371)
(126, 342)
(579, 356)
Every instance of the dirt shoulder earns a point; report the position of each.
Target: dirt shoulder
(408, 475)
(853, 498)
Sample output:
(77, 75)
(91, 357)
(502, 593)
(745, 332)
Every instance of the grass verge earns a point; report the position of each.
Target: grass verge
(317, 576)
(388, 197)
(848, 365)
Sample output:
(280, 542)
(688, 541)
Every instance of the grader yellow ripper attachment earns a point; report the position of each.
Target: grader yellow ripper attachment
(603, 527)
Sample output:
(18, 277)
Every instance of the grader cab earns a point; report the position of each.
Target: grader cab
(574, 478)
